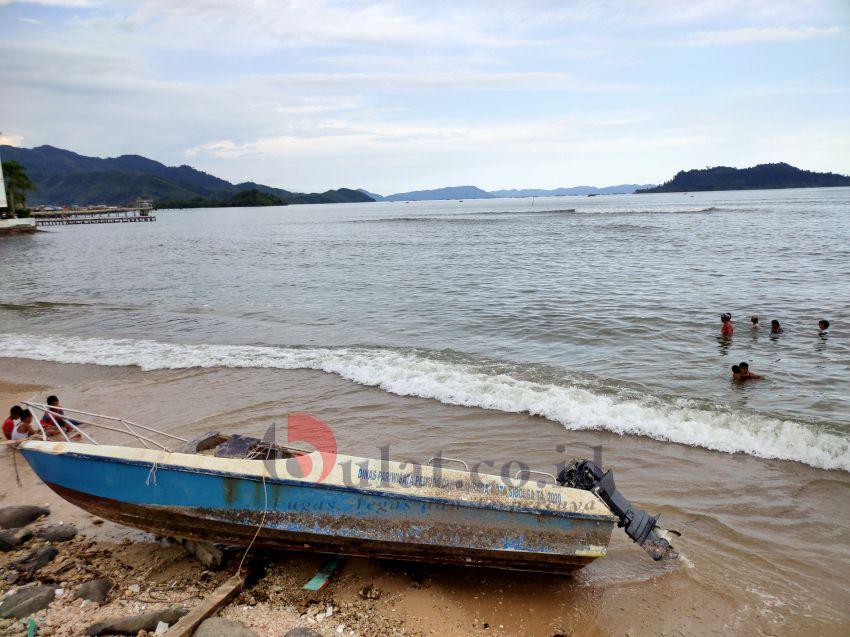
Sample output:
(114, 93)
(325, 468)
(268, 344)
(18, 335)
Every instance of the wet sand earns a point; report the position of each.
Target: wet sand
(764, 542)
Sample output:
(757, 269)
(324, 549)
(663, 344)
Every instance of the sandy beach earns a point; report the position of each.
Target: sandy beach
(760, 554)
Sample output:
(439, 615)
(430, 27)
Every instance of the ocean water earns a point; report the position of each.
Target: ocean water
(595, 313)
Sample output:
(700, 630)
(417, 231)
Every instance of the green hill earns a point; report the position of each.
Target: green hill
(66, 178)
(763, 176)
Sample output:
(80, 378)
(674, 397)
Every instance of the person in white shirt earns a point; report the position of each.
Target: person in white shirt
(23, 429)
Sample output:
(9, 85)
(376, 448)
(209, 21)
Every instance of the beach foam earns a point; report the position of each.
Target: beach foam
(457, 380)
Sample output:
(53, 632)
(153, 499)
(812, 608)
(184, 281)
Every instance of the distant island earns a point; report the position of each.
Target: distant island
(67, 178)
(474, 192)
(763, 176)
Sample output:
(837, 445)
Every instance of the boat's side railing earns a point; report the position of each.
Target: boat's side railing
(540, 473)
(129, 426)
(444, 458)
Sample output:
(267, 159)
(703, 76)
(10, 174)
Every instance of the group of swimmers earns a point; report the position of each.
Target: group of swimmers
(727, 329)
(19, 425)
(741, 371)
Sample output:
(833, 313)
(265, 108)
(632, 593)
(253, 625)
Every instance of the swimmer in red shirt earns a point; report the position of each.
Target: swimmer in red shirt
(727, 328)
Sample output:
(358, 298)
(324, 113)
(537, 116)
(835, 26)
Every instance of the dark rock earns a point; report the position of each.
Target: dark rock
(13, 538)
(26, 601)
(58, 533)
(95, 591)
(370, 592)
(219, 627)
(34, 560)
(302, 632)
(18, 516)
(133, 624)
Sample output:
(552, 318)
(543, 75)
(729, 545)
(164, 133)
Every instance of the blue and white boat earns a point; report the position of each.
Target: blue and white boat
(241, 491)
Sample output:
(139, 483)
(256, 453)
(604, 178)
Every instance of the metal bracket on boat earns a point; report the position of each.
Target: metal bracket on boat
(638, 524)
(128, 430)
(465, 466)
(530, 471)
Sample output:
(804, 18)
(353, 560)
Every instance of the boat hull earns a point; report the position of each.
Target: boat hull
(212, 503)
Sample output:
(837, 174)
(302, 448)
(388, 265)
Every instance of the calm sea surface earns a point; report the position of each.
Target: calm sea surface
(594, 312)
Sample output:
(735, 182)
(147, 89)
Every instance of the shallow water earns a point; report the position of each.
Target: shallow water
(595, 312)
(569, 327)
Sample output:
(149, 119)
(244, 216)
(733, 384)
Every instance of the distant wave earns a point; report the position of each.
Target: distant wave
(433, 219)
(531, 211)
(503, 215)
(457, 380)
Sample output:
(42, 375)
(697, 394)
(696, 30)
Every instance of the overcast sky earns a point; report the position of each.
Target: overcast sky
(393, 96)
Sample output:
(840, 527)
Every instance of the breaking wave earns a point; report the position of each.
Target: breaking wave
(458, 380)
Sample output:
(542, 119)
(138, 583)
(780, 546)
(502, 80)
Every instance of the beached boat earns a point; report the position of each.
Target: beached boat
(242, 491)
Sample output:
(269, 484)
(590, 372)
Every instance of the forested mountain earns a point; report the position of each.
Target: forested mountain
(64, 177)
(763, 176)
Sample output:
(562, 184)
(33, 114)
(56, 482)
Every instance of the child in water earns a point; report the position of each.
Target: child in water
(746, 374)
(728, 328)
(775, 327)
(823, 327)
(755, 321)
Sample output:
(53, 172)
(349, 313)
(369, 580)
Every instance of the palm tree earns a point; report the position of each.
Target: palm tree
(17, 185)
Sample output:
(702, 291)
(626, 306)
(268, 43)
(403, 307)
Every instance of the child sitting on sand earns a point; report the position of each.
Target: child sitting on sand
(54, 416)
(10, 422)
(24, 428)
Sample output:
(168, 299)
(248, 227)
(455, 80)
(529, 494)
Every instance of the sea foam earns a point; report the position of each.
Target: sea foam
(408, 372)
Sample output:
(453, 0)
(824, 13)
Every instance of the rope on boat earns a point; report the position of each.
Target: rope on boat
(265, 510)
(152, 475)
(15, 464)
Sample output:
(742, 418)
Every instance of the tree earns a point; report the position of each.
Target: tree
(17, 185)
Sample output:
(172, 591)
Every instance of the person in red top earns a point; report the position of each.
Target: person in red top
(10, 422)
(727, 328)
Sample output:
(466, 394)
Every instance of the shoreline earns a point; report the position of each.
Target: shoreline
(623, 593)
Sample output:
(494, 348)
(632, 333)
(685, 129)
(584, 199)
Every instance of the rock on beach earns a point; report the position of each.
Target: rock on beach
(18, 516)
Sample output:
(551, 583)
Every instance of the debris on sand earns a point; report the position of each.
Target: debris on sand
(207, 554)
(302, 632)
(34, 560)
(17, 516)
(370, 591)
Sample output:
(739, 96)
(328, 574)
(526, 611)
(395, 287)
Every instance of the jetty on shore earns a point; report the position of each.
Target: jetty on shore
(143, 211)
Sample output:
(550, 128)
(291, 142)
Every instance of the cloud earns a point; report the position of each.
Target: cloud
(758, 35)
(11, 139)
(52, 3)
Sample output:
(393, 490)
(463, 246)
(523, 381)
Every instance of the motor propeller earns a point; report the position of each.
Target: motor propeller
(639, 525)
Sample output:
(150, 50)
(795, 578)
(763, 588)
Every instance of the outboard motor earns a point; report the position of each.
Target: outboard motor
(639, 525)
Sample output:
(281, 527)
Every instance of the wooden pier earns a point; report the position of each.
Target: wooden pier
(102, 215)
